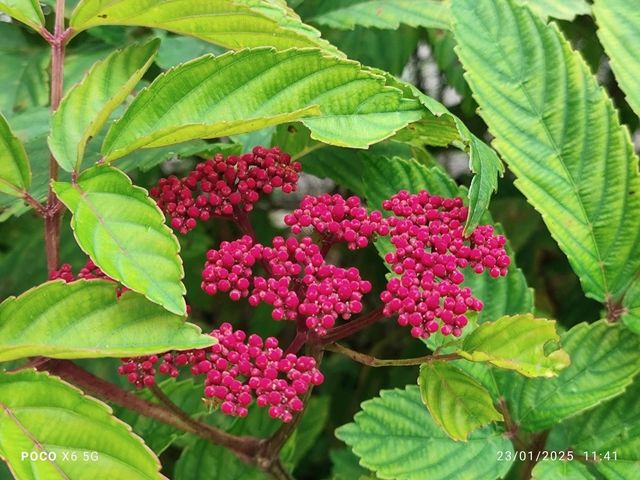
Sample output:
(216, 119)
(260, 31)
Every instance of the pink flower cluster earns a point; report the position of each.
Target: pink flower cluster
(430, 251)
(237, 370)
(338, 220)
(220, 185)
(298, 282)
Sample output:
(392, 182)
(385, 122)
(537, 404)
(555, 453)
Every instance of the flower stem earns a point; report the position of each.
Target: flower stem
(377, 362)
(353, 326)
(52, 219)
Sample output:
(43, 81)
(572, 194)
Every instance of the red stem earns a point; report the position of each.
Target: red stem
(52, 218)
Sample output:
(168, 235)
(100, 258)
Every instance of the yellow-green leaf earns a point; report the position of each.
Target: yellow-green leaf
(77, 435)
(456, 401)
(124, 233)
(85, 319)
(87, 106)
(517, 342)
(25, 11)
(233, 24)
(341, 102)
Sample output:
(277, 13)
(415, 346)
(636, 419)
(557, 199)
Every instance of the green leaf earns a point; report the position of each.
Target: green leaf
(40, 413)
(377, 13)
(232, 24)
(604, 360)
(420, 448)
(123, 232)
(619, 31)
(305, 436)
(186, 394)
(612, 427)
(341, 102)
(85, 319)
(23, 75)
(564, 10)
(389, 50)
(203, 456)
(560, 135)
(25, 11)
(15, 172)
(457, 402)
(177, 49)
(87, 106)
(554, 469)
(517, 343)
(345, 466)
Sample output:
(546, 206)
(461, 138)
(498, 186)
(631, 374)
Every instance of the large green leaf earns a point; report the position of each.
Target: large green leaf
(85, 319)
(341, 102)
(612, 427)
(234, 24)
(15, 173)
(123, 231)
(87, 106)
(456, 401)
(604, 360)
(564, 9)
(619, 31)
(560, 135)
(26, 11)
(40, 413)
(420, 449)
(517, 343)
(346, 14)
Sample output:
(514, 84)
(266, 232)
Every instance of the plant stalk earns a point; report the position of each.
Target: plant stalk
(377, 362)
(52, 218)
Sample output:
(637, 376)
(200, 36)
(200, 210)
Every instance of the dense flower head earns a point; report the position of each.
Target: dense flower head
(427, 232)
(220, 185)
(237, 370)
(299, 283)
(338, 220)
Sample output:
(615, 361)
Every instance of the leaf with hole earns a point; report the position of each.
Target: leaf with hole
(40, 413)
(85, 319)
(519, 343)
(123, 231)
(87, 106)
(604, 360)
